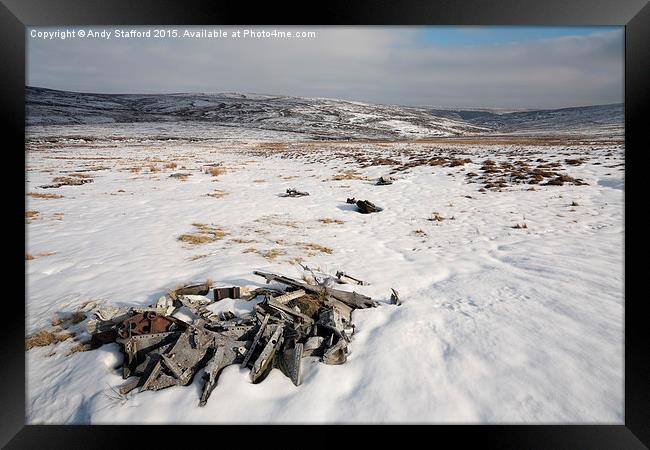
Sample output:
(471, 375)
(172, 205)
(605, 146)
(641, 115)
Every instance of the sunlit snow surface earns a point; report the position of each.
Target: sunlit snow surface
(498, 325)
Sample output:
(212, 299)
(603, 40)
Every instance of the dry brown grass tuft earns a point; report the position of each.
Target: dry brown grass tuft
(328, 221)
(271, 254)
(216, 171)
(316, 247)
(242, 241)
(259, 181)
(71, 181)
(79, 347)
(217, 193)
(153, 168)
(43, 338)
(79, 175)
(195, 257)
(31, 215)
(39, 195)
(518, 226)
(204, 234)
(67, 319)
(436, 217)
(420, 232)
(29, 256)
(171, 165)
(349, 174)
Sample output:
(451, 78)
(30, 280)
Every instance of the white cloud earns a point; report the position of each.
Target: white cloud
(374, 64)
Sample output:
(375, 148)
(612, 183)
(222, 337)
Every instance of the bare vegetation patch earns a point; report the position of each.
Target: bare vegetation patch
(520, 226)
(41, 195)
(271, 254)
(43, 338)
(315, 248)
(203, 234)
(327, 220)
(70, 181)
(217, 193)
(216, 171)
(29, 256)
(31, 215)
(242, 241)
(349, 174)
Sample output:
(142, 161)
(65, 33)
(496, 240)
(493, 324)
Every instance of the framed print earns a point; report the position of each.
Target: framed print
(387, 214)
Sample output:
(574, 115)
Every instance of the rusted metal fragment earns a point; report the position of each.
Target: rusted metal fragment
(226, 292)
(148, 322)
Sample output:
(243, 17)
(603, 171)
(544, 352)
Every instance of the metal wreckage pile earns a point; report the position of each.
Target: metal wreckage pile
(303, 319)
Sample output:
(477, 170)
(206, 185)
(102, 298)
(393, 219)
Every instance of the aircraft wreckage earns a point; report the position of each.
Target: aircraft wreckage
(290, 323)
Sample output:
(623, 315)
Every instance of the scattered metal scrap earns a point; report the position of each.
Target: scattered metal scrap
(162, 348)
(385, 180)
(294, 193)
(364, 206)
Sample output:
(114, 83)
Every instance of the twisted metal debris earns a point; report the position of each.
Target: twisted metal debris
(289, 324)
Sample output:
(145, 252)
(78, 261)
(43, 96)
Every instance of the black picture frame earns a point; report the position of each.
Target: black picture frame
(16, 15)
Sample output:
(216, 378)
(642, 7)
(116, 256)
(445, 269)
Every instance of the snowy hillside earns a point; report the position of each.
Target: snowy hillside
(313, 117)
(600, 120)
(322, 118)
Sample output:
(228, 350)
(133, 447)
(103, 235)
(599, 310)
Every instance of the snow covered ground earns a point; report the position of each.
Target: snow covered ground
(498, 324)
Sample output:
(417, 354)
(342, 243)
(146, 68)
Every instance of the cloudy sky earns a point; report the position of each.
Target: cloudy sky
(499, 67)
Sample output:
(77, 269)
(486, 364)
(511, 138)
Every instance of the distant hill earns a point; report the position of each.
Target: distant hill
(314, 117)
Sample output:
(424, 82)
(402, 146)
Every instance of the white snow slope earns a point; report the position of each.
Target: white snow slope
(498, 325)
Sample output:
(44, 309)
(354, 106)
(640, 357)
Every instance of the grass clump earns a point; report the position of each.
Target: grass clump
(43, 338)
(216, 171)
(204, 234)
(31, 215)
(217, 193)
(327, 220)
(316, 248)
(40, 195)
(349, 174)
